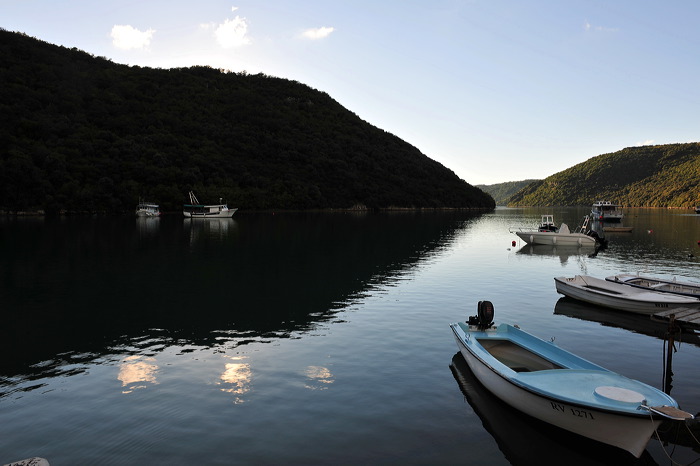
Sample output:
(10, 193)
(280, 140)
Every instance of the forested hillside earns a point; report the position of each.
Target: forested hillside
(502, 192)
(80, 133)
(647, 176)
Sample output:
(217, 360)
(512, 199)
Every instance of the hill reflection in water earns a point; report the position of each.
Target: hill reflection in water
(76, 288)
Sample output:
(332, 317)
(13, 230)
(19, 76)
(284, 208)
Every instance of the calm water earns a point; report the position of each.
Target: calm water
(307, 338)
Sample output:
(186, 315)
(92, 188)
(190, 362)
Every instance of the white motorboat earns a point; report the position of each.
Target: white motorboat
(607, 211)
(620, 296)
(551, 384)
(197, 210)
(660, 285)
(549, 233)
(147, 209)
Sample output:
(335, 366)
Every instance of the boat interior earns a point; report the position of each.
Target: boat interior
(669, 287)
(516, 357)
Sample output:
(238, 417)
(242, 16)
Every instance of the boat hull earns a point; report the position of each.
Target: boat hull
(562, 239)
(628, 432)
(619, 296)
(223, 214)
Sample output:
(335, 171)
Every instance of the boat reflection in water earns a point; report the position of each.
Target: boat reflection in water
(564, 252)
(638, 323)
(525, 440)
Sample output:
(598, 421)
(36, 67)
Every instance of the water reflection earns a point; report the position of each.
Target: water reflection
(625, 320)
(90, 286)
(236, 379)
(208, 229)
(147, 226)
(563, 252)
(525, 440)
(318, 378)
(136, 372)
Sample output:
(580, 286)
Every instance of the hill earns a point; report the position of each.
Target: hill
(648, 176)
(502, 192)
(80, 133)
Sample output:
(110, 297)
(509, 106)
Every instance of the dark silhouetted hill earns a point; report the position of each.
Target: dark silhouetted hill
(81, 133)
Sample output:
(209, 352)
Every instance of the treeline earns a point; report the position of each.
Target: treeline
(79, 133)
(647, 176)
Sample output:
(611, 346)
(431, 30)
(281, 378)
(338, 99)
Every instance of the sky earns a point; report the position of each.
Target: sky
(495, 90)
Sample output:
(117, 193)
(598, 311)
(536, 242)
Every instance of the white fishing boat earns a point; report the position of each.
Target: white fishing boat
(147, 209)
(660, 285)
(197, 210)
(620, 296)
(551, 384)
(607, 211)
(549, 233)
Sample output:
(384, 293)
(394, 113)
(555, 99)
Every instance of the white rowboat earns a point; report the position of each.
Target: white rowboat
(620, 296)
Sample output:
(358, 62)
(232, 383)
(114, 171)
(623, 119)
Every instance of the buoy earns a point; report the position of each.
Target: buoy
(513, 243)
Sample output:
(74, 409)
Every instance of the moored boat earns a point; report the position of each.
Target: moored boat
(560, 388)
(549, 233)
(607, 211)
(620, 296)
(660, 285)
(197, 210)
(147, 209)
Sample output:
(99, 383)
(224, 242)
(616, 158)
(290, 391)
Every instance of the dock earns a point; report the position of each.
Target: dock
(688, 318)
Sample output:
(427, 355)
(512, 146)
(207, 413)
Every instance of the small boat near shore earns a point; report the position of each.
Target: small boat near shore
(560, 388)
(660, 285)
(147, 209)
(197, 210)
(621, 296)
(607, 211)
(549, 233)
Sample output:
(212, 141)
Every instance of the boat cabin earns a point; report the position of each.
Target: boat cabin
(547, 224)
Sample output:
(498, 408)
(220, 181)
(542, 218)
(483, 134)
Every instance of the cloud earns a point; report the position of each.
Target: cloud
(648, 142)
(317, 33)
(127, 37)
(589, 27)
(232, 32)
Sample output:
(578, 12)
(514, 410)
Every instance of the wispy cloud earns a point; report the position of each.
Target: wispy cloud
(232, 32)
(590, 27)
(648, 142)
(128, 37)
(317, 33)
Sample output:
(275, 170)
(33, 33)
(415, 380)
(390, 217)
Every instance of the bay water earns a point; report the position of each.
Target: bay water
(310, 338)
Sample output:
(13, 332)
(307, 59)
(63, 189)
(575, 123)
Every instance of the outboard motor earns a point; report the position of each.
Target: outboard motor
(484, 315)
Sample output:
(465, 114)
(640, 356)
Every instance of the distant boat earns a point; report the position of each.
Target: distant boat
(560, 388)
(549, 233)
(197, 210)
(620, 296)
(660, 285)
(147, 209)
(607, 211)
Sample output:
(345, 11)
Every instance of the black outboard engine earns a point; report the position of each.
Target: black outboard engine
(484, 315)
